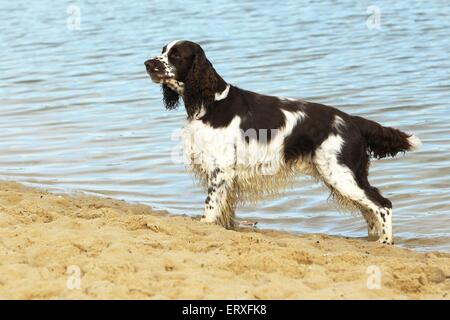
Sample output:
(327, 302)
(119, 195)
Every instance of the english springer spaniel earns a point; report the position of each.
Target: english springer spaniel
(244, 146)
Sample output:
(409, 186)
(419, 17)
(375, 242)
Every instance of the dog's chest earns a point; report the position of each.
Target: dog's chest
(258, 167)
(230, 146)
(211, 147)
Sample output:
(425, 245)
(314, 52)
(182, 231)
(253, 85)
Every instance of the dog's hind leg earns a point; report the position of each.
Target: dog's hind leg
(341, 179)
(382, 214)
(372, 229)
(220, 202)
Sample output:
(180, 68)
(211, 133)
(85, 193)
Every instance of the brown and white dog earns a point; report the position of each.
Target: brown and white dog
(244, 145)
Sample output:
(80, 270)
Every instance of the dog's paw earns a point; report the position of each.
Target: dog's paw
(204, 219)
(373, 236)
(385, 241)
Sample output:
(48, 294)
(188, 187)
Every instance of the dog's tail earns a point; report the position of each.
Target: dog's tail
(385, 141)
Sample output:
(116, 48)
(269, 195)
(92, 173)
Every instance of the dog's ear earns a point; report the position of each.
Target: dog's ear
(171, 99)
(200, 84)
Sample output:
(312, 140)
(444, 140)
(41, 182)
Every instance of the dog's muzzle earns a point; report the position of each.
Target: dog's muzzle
(155, 69)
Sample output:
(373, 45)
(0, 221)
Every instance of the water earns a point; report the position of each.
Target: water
(78, 112)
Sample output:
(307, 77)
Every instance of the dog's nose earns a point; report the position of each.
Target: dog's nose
(150, 64)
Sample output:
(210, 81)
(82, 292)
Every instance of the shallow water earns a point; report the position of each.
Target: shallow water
(78, 111)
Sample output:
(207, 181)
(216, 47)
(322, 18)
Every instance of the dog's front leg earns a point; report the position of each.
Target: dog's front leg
(220, 202)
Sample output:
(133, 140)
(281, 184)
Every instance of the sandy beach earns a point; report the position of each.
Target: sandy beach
(81, 247)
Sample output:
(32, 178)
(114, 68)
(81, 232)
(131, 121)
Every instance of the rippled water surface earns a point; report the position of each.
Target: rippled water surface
(78, 112)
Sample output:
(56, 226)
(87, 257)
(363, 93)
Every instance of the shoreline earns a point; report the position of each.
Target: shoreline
(62, 246)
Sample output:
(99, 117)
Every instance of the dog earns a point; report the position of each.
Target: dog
(244, 146)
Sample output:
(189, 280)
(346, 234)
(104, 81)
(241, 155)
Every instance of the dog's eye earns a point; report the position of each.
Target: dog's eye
(175, 55)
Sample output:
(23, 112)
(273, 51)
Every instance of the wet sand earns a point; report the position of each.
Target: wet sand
(127, 251)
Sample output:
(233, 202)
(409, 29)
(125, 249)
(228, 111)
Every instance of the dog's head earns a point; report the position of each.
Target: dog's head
(183, 70)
